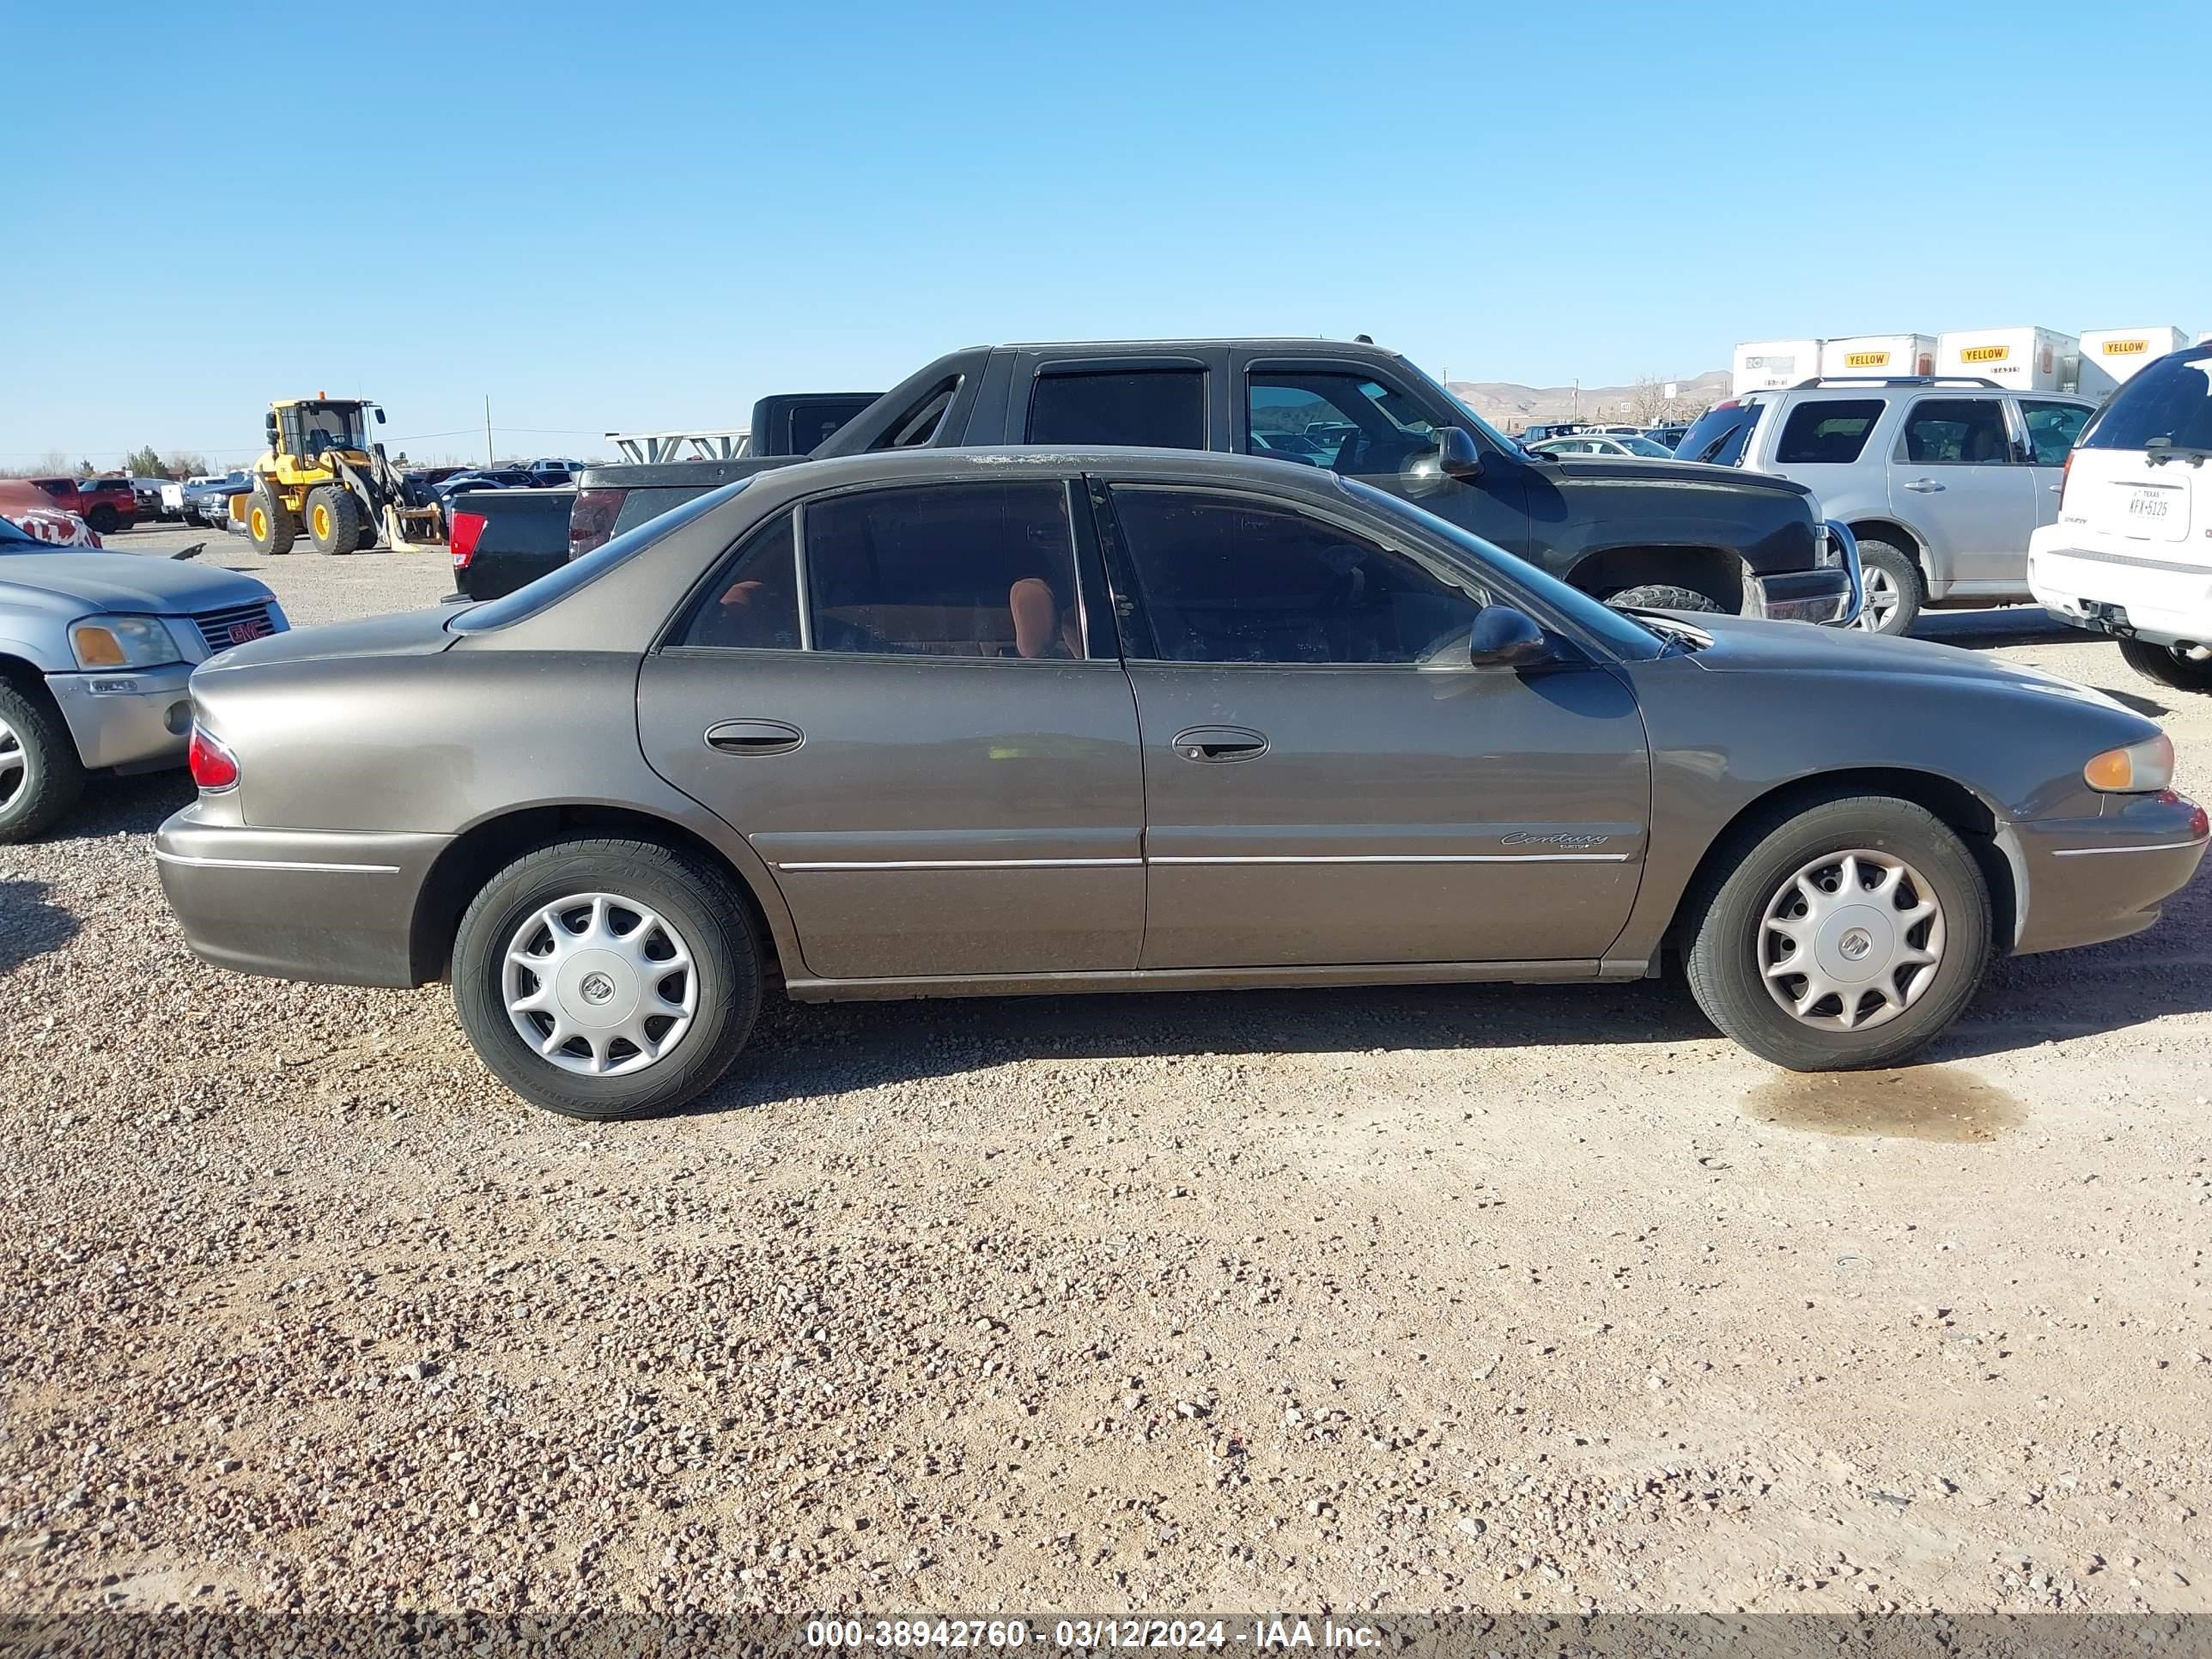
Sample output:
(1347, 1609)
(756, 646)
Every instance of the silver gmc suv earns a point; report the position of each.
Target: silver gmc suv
(1943, 481)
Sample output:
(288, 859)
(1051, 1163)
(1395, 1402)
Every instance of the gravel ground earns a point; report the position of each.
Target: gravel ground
(1413, 1299)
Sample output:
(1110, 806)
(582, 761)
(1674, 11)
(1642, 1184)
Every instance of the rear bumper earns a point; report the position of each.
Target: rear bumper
(2130, 590)
(2085, 880)
(329, 906)
(139, 721)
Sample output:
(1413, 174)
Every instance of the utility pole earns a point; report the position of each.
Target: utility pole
(489, 461)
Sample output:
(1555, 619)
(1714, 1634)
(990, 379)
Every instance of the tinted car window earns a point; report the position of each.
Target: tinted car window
(1717, 436)
(1956, 431)
(1228, 580)
(2171, 398)
(752, 602)
(558, 583)
(1352, 423)
(919, 425)
(1824, 433)
(2052, 429)
(958, 571)
(1162, 408)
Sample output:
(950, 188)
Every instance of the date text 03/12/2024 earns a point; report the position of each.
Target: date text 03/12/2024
(1260, 1633)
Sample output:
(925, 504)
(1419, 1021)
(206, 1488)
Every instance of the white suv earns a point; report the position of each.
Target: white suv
(2131, 553)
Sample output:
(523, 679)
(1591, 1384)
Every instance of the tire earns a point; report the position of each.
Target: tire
(333, 520)
(2166, 665)
(1732, 944)
(1662, 596)
(1894, 573)
(104, 519)
(40, 775)
(269, 523)
(690, 902)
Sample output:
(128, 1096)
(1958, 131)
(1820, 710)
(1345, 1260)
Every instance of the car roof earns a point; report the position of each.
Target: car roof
(1242, 342)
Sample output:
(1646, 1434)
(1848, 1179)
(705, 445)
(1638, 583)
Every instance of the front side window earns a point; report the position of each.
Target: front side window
(1227, 579)
(1347, 422)
(1153, 408)
(752, 602)
(2052, 429)
(1825, 432)
(945, 570)
(1956, 431)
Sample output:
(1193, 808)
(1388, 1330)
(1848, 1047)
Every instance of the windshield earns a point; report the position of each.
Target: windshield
(558, 584)
(310, 429)
(16, 540)
(1622, 634)
(2171, 398)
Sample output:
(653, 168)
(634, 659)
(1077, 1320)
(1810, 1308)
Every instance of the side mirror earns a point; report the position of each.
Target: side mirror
(1503, 637)
(1456, 454)
(268, 426)
(379, 417)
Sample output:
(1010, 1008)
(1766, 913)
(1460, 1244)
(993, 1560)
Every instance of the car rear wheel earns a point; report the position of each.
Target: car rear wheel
(607, 979)
(1894, 591)
(333, 520)
(2168, 665)
(1847, 935)
(104, 519)
(268, 523)
(1662, 596)
(40, 775)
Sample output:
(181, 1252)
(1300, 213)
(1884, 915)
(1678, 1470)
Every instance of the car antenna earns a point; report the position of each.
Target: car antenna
(1363, 339)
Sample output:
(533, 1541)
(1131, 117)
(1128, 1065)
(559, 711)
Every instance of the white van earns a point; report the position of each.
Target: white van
(2131, 552)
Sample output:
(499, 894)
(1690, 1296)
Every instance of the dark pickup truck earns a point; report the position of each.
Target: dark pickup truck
(1659, 534)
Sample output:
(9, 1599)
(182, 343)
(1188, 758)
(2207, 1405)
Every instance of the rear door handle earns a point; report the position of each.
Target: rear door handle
(2055, 488)
(1219, 744)
(754, 738)
(1923, 486)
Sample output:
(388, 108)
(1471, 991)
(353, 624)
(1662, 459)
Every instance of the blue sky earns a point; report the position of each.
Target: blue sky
(622, 217)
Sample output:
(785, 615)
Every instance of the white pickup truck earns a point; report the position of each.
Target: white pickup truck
(2131, 552)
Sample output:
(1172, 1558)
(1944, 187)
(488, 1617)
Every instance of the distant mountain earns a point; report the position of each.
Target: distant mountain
(1510, 407)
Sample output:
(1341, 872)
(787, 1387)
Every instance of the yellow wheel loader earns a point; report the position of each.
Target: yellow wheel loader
(321, 476)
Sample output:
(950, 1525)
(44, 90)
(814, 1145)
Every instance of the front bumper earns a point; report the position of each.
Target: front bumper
(1831, 595)
(136, 721)
(2082, 881)
(326, 905)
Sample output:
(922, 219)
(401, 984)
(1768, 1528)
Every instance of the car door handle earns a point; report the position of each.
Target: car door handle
(2054, 488)
(1219, 744)
(754, 738)
(1923, 486)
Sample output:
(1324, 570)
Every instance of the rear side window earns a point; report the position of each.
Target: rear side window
(1717, 436)
(2171, 398)
(1159, 408)
(752, 603)
(1956, 431)
(918, 426)
(949, 570)
(1823, 433)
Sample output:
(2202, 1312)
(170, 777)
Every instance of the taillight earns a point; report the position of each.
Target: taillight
(468, 530)
(2065, 472)
(214, 767)
(592, 519)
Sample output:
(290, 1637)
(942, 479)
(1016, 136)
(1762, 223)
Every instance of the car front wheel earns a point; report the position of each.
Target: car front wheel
(1848, 935)
(607, 979)
(40, 775)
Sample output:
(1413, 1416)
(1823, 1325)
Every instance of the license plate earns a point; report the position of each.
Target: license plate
(2149, 505)
(242, 631)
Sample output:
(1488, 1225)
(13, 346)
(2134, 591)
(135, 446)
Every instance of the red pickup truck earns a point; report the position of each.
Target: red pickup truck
(106, 504)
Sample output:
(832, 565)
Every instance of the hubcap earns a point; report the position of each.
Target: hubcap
(1852, 940)
(1881, 599)
(599, 985)
(14, 764)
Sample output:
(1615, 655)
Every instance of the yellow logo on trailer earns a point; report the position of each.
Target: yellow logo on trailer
(2124, 348)
(1986, 354)
(1866, 360)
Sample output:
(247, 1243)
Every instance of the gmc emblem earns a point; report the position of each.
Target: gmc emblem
(242, 631)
